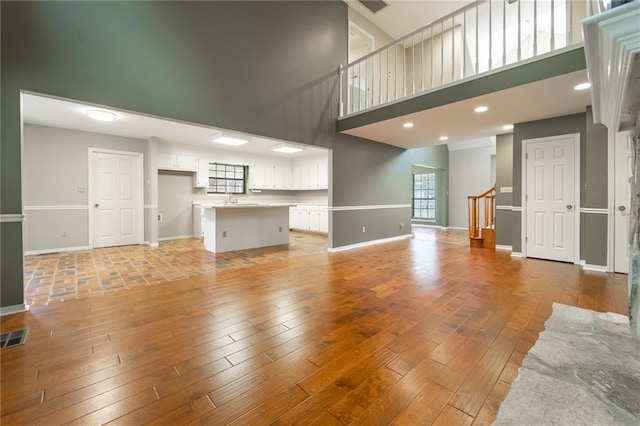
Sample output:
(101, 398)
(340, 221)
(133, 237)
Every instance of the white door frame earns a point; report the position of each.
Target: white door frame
(139, 163)
(576, 185)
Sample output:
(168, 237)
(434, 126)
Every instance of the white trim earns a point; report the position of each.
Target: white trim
(576, 195)
(516, 209)
(13, 309)
(370, 243)
(151, 206)
(504, 207)
(597, 268)
(590, 210)
(459, 228)
(56, 250)
(140, 166)
(179, 237)
(516, 254)
(76, 207)
(11, 218)
(373, 207)
(611, 200)
(501, 247)
(152, 245)
(426, 225)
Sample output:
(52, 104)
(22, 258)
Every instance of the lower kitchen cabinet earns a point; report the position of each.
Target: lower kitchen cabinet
(309, 218)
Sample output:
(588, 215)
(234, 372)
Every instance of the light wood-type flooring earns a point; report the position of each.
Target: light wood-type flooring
(420, 331)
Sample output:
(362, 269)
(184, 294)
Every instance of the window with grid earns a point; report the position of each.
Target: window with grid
(424, 196)
(227, 179)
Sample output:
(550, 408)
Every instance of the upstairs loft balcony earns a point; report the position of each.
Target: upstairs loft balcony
(481, 39)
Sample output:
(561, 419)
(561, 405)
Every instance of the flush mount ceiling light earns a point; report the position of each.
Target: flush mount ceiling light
(287, 149)
(229, 140)
(407, 125)
(444, 138)
(508, 127)
(100, 115)
(582, 86)
(482, 108)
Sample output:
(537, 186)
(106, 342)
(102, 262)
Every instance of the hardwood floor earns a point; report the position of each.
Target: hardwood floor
(422, 331)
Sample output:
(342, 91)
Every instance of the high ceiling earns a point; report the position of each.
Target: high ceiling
(458, 121)
(402, 17)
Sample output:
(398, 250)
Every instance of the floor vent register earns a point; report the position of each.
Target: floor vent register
(13, 338)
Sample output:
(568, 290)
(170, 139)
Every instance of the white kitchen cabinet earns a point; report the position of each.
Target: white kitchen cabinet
(323, 215)
(180, 162)
(270, 176)
(309, 218)
(201, 178)
(323, 175)
(198, 220)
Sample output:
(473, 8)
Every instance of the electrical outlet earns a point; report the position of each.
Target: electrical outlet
(159, 217)
(364, 229)
(224, 234)
(65, 233)
(280, 229)
(401, 225)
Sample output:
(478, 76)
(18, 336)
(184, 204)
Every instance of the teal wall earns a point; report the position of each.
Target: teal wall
(267, 68)
(593, 180)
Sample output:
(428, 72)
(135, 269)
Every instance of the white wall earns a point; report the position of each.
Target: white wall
(469, 174)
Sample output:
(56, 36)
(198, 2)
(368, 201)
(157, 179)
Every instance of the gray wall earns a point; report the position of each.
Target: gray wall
(504, 178)
(266, 68)
(175, 197)
(593, 179)
(56, 173)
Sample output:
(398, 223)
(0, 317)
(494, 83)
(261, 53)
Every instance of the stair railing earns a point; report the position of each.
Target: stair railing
(485, 202)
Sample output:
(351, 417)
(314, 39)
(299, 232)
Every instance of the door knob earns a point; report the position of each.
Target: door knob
(96, 205)
(622, 208)
(569, 206)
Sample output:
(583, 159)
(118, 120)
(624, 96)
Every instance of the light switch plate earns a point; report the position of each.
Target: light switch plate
(506, 189)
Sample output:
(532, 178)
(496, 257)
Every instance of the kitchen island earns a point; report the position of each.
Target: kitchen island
(230, 227)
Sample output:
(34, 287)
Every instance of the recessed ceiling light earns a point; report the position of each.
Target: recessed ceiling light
(287, 149)
(482, 108)
(101, 115)
(508, 127)
(444, 138)
(228, 140)
(407, 125)
(582, 86)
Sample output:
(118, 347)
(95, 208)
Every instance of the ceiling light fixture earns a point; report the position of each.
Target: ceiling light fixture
(508, 127)
(229, 140)
(444, 138)
(407, 125)
(286, 149)
(482, 108)
(582, 86)
(100, 115)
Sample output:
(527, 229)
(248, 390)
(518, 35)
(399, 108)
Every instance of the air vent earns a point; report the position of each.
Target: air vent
(13, 338)
(374, 5)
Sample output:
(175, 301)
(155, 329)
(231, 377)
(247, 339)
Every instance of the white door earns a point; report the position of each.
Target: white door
(622, 196)
(551, 198)
(116, 199)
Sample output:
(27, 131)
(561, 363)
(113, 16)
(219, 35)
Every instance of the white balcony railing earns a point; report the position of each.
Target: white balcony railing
(484, 36)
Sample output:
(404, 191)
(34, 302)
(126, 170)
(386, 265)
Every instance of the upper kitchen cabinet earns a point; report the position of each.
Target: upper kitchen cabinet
(270, 176)
(180, 162)
(311, 174)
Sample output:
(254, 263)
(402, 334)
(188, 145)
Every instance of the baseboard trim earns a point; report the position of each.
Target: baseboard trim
(425, 225)
(501, 247)
(153, 245)
(14, 309)
(595, 268)
(457, 228)
(55, 250)
(516, 254)
(179, 237)
(370, 243)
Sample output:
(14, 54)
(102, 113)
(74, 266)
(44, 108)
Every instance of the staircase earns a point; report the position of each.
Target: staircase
(481, 210)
